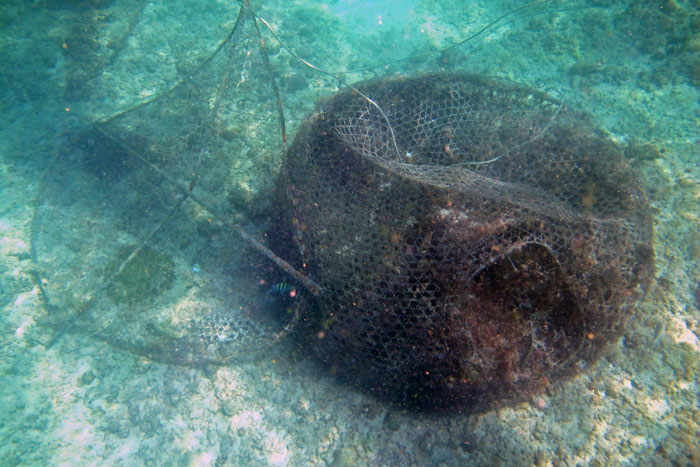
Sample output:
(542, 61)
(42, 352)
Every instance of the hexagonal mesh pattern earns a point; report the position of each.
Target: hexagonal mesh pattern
(474, 239)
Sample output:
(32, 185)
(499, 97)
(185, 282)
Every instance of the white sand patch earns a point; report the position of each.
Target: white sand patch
(203, 459)
(26, 323)
(656, 408)
(12, 246)
(278, 454)
(78, 439)
(48, 373)
(246, 419)
(179, 422)
(127, 449)
(679, 332)
(25, 297)
(193, 440)
(75, 429)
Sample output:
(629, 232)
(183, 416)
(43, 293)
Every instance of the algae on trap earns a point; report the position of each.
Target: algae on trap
(148, 275)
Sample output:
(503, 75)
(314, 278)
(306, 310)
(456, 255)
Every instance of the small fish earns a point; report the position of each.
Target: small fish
(282, 288)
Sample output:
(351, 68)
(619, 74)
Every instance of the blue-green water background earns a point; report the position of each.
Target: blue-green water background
(634, 66)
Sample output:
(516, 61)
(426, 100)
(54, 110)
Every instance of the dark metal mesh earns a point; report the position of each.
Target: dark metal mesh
(454, 240)
(474, 238)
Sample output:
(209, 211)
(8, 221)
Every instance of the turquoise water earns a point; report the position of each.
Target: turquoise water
(175, 361)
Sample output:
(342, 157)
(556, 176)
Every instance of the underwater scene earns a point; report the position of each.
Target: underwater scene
(350, 232)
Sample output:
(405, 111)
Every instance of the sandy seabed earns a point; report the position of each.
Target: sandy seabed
(84, 402)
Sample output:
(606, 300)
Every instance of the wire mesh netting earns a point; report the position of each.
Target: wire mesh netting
(449, 239)
(474, 238)
(150, 258)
